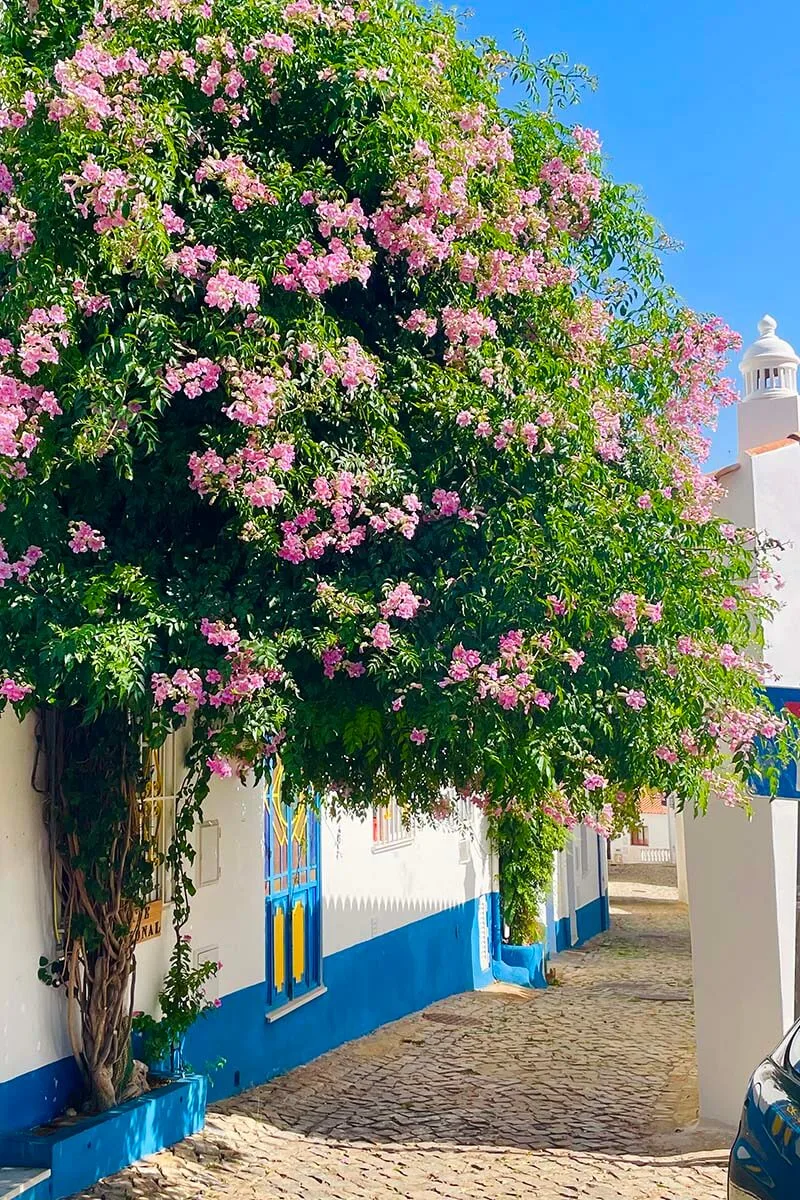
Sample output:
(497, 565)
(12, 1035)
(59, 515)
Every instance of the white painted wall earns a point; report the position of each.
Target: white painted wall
(775, 478)
(369, 891)
(739, 889)
(578, 877)
(32, 1029)
(588, 874)
(365, 893)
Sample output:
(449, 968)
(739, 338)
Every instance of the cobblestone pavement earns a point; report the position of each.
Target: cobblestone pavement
(581, 1092)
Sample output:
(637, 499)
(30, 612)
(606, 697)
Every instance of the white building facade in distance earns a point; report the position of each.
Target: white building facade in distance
(654, 839)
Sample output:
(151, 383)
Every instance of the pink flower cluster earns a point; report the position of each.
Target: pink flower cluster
(218, 633)
(333, 660)
(314, 271)
(588, 140)
(21, 568)
(100, 193)
(21, 410)
(420, 321)
(83, 538)
(335, 17)
(501, 273)
(558, 808)
(587, 328)
(41, 335)
(630, 609)
(465, 329)
(354, 368)
(85, 94)
(222, 75)
(11, 118)
(241, 183)
(255, 399)
(401, 602)
(341, 497)
(87, 302)
(508, 680)
(570, 192)
(403, 518)
(187, 688)
(11, 690)
(224, 289)
(193, 378)
(608, 444)
(247, 470)
(510, 432)
(191, 261)
(17, 229)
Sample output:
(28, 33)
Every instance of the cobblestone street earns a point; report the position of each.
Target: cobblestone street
(579, 1092)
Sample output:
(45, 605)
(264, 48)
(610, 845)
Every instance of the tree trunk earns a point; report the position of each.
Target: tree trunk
(102, 877)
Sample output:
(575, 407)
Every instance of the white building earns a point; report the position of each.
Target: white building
(654, 839)
(326, 928)
(743, 875)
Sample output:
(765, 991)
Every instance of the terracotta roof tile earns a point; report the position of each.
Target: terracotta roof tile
(726, 470)
(651, 805)
(791, 440)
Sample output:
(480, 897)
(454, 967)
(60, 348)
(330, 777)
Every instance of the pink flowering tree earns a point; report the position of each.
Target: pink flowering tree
(344, 412)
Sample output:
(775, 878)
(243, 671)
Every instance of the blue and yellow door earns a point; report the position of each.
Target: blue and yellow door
(291, 894)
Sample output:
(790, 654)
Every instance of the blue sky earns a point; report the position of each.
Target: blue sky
(698, 103)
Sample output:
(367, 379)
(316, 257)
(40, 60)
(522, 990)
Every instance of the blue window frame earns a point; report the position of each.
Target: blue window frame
(293, 912)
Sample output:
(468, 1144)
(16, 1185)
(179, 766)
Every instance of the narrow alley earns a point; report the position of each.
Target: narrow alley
(581, 1092)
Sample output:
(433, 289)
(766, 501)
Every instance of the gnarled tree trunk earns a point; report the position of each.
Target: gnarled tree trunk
(89, 772)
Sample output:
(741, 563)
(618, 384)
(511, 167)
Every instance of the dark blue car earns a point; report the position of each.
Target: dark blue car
(765, 1159)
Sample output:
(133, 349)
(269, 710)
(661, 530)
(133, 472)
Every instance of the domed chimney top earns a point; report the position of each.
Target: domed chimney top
(770, 364)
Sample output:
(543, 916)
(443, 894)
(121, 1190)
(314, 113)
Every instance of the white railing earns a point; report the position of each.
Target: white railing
(652, 855)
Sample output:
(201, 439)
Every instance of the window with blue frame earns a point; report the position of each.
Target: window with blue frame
(292, 899)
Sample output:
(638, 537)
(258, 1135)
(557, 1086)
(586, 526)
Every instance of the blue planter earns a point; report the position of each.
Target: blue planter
(523, 965)
(79, 1154)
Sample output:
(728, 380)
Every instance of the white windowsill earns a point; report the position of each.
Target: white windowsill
(285, 1009)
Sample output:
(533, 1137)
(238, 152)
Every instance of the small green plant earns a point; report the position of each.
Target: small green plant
(182, 1001)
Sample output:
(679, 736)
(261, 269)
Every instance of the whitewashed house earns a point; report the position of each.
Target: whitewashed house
(654, 839)
(326, 928)
(742, 875)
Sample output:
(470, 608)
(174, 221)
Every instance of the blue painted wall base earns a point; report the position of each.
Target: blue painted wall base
(81, 1153)
(368, 985)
